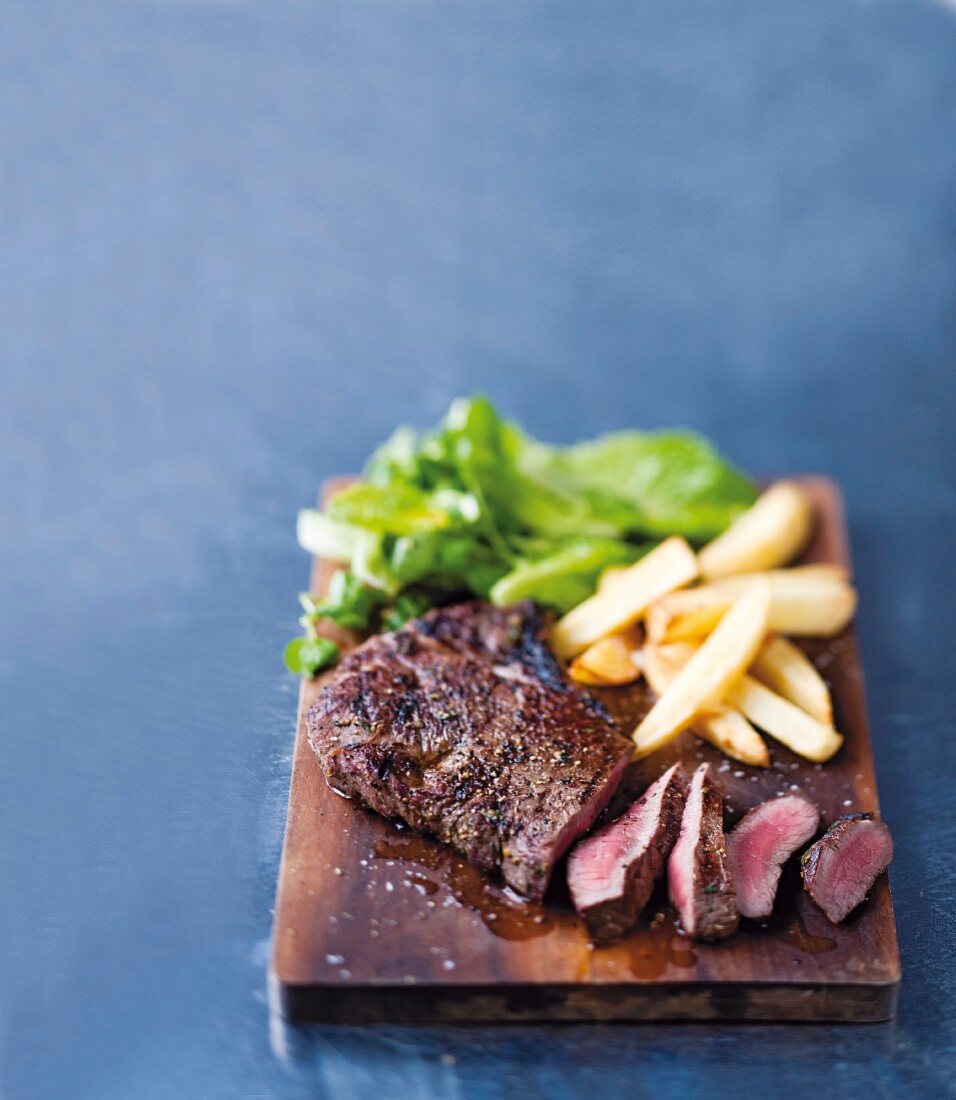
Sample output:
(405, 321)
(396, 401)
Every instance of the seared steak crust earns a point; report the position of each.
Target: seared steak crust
(612, 873)
(463, 725)
(698, 875)
(840, 869)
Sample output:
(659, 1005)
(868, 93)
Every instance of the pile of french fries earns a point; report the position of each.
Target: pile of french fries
(709, 631)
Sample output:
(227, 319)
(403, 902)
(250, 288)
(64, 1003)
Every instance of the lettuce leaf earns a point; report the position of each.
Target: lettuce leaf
(477, 507)
(565, 576)
(453, 563)
(408, 606)
(349, 602)
(401, 508)
(307, 656)
(668, 482)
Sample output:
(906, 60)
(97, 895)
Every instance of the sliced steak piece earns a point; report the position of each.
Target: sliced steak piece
(839, 870)
(612, 873)
(764, 839)
(698, 877)
(463, 725)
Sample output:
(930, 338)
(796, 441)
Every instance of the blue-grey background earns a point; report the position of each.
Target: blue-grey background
(240, 241)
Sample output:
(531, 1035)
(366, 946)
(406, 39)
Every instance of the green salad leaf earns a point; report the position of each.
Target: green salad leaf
(401, 508)
(477, 507)
(564, 577)
(348, 603)
(409, 605)
(307, 656)
(669, 483)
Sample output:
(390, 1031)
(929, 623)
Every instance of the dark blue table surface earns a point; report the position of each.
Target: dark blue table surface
(240, 241)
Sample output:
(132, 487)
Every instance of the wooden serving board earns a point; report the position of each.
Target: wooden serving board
(375, 923)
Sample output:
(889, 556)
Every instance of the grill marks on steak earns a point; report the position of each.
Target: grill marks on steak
(463, 725)
(698, 876)
(759, 846)
(611, 874)
(840, 869)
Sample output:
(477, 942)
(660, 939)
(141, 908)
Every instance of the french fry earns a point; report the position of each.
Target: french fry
(769, 534)
(809, 600)
(661, 663)
(723, 727)
(609, 576)
(780, 665)
(581, 675)
(706, 678)
(607, 662)
(784, 721)
(728, 730)
(633, 636)
(626, 597)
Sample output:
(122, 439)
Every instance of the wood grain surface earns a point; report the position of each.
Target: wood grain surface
(375, 923)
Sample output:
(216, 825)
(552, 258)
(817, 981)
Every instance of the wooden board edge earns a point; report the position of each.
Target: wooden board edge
(728, 1002)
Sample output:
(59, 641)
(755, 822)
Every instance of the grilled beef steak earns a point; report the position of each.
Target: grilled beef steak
(840, 868)
(612, 873)
(698, 877)
(463, 725)
(761, 844)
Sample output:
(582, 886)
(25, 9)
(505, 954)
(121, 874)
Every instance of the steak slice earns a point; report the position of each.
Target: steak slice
(698, 876)
(463, 725)
(764, 839)
(612, 873)
(839, 870)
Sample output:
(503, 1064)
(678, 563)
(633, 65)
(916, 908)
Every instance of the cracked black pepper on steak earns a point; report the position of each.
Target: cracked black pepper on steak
(463, 725)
